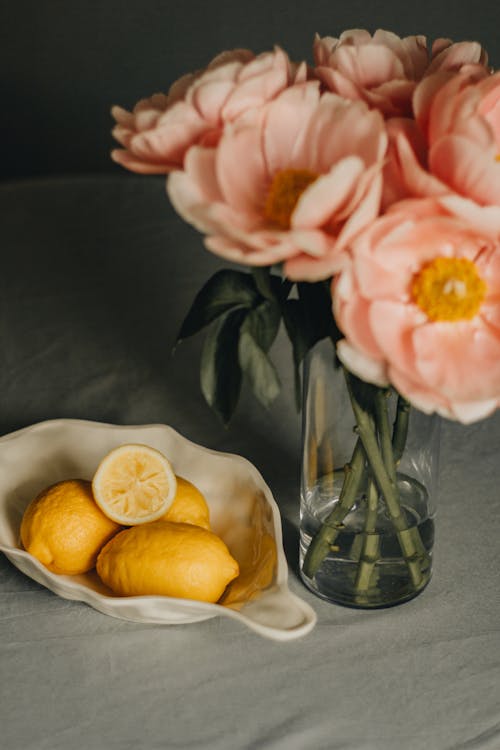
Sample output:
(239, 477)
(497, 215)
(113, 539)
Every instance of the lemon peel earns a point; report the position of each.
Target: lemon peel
(64, 529)
(188, 506)
(167, 559)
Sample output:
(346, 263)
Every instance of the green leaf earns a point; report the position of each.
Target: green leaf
(262, 323)
(220, 371)
(224, 291)
(271, 286)
(263, 282)
(259, 369)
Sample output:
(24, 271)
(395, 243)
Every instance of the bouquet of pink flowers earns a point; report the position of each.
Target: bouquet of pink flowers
(364, 192)
(375, 172)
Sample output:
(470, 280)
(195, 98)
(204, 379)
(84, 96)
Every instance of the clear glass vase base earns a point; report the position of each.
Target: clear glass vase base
(334, 583)
(368, 570)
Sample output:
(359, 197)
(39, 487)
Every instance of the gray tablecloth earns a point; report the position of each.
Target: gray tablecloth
(96, 276)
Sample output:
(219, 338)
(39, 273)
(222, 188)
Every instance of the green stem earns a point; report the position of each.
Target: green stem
(399, 437)
(385, 480)
(370, 552)
(324, 539)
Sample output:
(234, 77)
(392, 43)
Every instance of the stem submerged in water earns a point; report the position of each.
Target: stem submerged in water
(386, 478)
(372, 469)
(370, 551)
(323, 541)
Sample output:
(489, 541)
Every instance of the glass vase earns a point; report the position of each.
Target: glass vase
(368, 488)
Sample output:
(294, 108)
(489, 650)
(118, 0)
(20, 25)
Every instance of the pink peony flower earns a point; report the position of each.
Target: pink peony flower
(419, 305)
(292, 181)
(158, 132)
(384, 69)
(454, 144)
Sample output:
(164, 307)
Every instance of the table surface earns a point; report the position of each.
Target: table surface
(97, 273)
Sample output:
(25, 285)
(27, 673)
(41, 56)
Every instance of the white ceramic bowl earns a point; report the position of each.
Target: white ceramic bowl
(242, 511)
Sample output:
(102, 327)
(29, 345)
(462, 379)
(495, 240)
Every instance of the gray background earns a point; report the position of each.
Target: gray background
(97, 272)
(63, 63)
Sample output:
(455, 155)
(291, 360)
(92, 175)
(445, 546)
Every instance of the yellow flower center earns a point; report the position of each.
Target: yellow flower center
(449, 289)
(285, 190)
(497, 157)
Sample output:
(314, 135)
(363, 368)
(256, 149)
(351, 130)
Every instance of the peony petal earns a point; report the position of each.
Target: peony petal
(417, 180)
(489, 106)
(369, 370)
(393, 97)
(337, 83)
(419, 395)
(244, 187)
(366, 210)
(455, 56)
(200, 165)
(318, 204)
(416, 56)
(352, 315)
(259, 82)
(368, 65)
(129, 161)
(339, 129)
(305, 267)
(122, 117)
(311, 241)
(122, 135)
(392, 324)
(490, 314)
(208, 97)
(467, 168)
(355, 37)
(488, 266)
(322, 47)
(286, 120)
(186, 196)
(146, 119)
(468, 412)
(238, 55)
(468, 365)
(236, 250)
(424, 95)
(483, 219)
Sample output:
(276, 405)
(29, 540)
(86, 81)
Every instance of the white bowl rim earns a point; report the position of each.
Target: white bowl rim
(61, 586)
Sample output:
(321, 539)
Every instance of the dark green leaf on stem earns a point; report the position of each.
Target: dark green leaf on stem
(224, 291)
(258, 368)
(271, 286)
(220, 371)
(262, 323)
(263, 281)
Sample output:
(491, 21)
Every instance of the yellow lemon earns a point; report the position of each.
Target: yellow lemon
(64, 529)
(167, 559)
(189, 506)
(134, 484)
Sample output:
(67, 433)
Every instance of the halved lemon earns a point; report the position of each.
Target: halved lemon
(134, 484)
